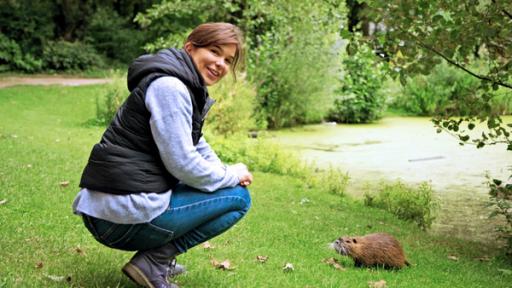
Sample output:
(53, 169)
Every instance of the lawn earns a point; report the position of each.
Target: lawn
(45, 141)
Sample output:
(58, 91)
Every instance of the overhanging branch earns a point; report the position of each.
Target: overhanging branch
(452, 62)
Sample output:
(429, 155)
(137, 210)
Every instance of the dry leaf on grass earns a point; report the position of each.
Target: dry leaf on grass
(58, 278)
(224, 265)
(334, 263)
(288, 267)
(2, 202)
(79, 251)
(39, 265)
(484, 258)
(207, 245)
(377, 284)
(453, 257)
(262, 259)
(64, 183)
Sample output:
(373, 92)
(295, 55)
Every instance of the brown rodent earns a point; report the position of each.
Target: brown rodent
(378, 249)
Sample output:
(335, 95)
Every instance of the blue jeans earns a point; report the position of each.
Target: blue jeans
(192, 217)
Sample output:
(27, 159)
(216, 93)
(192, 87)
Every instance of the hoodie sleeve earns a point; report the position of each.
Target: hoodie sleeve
(168, 101)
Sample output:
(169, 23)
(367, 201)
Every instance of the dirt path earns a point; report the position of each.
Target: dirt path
(50, 80)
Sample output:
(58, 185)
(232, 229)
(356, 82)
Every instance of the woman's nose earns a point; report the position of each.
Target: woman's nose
(221, 63)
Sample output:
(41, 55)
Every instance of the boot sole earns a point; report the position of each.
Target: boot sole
(136, 275)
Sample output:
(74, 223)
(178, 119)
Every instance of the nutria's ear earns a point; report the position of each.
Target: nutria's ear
(354, 240)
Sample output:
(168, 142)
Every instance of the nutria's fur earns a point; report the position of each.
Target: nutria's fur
(379, 249)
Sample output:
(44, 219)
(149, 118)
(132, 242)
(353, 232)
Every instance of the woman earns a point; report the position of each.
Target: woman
(153, 184)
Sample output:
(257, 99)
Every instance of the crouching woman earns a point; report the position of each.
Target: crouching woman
(153, 184)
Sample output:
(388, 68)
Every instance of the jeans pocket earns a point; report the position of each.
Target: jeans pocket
(110, 234)
(146, 237)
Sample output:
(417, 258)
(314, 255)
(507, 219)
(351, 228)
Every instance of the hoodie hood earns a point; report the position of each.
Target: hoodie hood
(171, 62)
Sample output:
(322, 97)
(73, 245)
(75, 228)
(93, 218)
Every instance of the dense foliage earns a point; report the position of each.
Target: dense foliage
(360, 100)
(30, 29)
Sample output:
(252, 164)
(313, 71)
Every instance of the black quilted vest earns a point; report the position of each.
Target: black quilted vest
(126, 160)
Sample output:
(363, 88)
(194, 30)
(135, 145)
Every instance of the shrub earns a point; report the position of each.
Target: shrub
(408, 203)
(112, 35)
(501, 202)
(115, 94)
(233, 108)
(12, 58)
(445, 90)
(64, 55)
(360, 100)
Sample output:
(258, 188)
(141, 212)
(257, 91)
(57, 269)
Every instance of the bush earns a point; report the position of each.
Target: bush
(408, 203)
(115, 94)
(294, 72)
(232, 112)
(447, 90)
(112, 35)
(501, 202)
(360, 99)
(12, 58)
(64, 55)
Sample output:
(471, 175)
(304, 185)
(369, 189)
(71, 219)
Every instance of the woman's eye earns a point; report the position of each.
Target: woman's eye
(214, 51)
(229, 61)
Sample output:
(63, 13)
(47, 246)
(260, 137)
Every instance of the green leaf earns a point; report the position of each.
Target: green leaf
(471, 126)
(497, 182)
(464, 138)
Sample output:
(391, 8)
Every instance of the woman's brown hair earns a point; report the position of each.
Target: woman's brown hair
(219, 33)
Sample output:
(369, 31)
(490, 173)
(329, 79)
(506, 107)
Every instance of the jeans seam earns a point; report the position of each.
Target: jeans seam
(174, 209)
(127, 236)
(91, 226)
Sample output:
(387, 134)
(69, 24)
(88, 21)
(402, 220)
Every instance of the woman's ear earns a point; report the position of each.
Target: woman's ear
(188, 47)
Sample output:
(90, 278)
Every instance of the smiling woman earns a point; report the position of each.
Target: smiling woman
(154, 149)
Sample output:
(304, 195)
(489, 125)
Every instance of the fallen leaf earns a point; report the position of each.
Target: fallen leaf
(334, 263)
(2, 202)
(79, 251)
(288, 267)
(377, 284)
(453, 257)
(207, 245)
(304, 201)
(262, 259)
(484, 258)
(58, 278)
(39, 265)
(224, 265)
(64, 184)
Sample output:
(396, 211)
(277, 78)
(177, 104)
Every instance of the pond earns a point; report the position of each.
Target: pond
(409, 149)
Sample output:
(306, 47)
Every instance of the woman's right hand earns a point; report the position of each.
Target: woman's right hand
(244, 176)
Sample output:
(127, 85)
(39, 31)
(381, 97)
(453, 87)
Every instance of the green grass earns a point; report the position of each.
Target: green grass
(44, 141)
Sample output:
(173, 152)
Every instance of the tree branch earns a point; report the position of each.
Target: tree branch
(504, 11)
(507, 13)
(454, 63)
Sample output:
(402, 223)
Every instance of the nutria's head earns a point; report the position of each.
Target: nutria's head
(343, 245)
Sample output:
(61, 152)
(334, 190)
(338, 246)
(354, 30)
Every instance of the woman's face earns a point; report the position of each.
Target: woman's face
(213, 62)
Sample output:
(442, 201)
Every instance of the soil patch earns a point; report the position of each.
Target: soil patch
(50, 80)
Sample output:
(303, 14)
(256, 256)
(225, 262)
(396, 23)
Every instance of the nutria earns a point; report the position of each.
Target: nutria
(379, 249)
